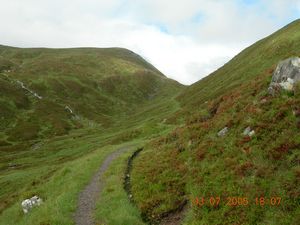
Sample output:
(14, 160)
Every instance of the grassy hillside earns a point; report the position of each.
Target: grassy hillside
(246, 66)
(88, 102)
(192, 162)
(97, 85)
(63, 111)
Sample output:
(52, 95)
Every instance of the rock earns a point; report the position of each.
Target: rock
(248, 132)
(251, 133)
(286, 75)
(274, 88)
(28, 204)
(223, 132)
(288, 84)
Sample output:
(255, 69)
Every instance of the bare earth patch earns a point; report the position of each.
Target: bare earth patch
(175, 218)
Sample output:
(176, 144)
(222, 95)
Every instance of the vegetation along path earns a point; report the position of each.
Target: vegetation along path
(88, 197)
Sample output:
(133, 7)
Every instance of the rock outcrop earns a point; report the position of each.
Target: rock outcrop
(286, 75)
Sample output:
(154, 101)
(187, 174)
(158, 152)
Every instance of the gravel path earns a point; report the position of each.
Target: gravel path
(91, 193)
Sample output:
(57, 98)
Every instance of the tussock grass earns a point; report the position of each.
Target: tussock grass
(192, 161)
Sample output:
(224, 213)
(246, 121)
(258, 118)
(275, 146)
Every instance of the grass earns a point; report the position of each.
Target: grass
(183, 158)
(42, 144)
(100, 85)
(192, 161)
(59, 192)
(38, 167)
(114, 206)
(35, 166)
(246, 66)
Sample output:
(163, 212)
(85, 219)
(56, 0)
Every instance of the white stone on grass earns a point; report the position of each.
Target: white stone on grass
(223, 132)
(28, 204)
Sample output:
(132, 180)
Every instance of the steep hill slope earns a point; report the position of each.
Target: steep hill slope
(247, 65)
(47, 92)
(59, 107)
(245, 176)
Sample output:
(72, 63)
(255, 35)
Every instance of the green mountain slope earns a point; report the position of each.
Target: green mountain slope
(247, 65)
(59, 107)
(193, 162)
(74, 88)
(63, 110)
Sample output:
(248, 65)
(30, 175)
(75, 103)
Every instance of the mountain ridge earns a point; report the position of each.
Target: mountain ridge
(97, 84)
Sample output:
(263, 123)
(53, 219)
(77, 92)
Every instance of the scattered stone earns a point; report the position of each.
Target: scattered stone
(28, 204)
(223, 132)
(286, 75)
(248, 132)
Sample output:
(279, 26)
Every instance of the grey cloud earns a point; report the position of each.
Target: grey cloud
(188, 50)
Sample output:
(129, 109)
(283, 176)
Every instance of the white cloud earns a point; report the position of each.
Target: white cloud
(200, 35)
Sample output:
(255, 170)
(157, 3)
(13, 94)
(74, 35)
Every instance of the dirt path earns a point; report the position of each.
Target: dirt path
(91, 193)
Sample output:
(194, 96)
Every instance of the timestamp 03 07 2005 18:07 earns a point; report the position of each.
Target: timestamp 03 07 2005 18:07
(236, 201)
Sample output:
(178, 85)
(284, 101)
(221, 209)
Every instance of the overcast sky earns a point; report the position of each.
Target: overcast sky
(185, 39)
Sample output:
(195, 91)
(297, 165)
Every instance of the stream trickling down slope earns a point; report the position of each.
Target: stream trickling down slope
(33, 93)
(27, 89)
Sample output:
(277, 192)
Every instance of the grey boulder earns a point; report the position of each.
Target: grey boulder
(286, 75)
